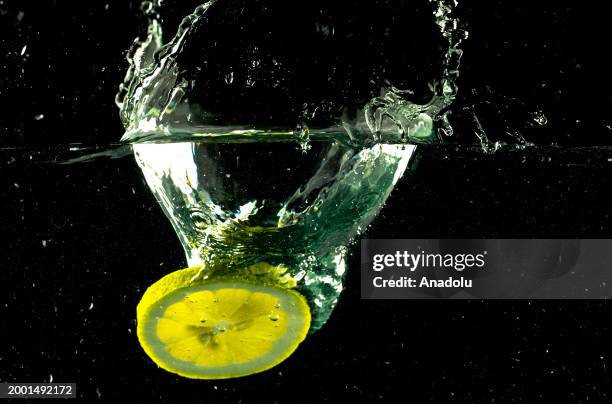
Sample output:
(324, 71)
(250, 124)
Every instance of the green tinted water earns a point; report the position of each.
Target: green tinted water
(236, 204)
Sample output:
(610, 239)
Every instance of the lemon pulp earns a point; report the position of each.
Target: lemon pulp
(219, 329)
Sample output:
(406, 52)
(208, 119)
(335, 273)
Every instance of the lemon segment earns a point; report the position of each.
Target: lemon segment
(219, 329)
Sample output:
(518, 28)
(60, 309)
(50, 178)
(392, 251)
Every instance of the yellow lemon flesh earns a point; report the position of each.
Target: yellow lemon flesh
(219, 329)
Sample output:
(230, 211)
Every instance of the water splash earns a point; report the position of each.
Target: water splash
(156, 96)
(416, 122)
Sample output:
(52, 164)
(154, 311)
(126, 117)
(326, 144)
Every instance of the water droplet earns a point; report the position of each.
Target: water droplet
(274, 317)
(539, 118)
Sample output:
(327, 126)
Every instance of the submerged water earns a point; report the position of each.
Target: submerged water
(234, 205)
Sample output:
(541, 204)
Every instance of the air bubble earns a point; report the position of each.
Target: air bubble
(539, 118)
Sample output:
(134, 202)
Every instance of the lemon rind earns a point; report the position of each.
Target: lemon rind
(176, 285)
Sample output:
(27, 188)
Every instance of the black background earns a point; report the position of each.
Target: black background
(92, 233)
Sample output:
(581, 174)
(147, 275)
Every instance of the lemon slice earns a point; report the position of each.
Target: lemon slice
(219, 329)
